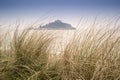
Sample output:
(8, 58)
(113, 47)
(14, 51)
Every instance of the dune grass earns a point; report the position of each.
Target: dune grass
(93, 54)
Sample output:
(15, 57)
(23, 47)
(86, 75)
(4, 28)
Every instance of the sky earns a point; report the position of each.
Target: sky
(66, 10)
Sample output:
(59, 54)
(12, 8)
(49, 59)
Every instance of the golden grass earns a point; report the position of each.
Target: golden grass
(93, 54)
(94, 57)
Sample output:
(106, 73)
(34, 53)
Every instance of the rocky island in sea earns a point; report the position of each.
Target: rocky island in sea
(57, 25)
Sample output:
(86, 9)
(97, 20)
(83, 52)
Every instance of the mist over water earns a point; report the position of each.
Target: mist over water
(63, 37)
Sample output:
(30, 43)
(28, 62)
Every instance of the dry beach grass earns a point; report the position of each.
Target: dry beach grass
(93, 54)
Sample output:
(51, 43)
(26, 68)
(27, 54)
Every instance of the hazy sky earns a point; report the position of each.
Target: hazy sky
(66, 10)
